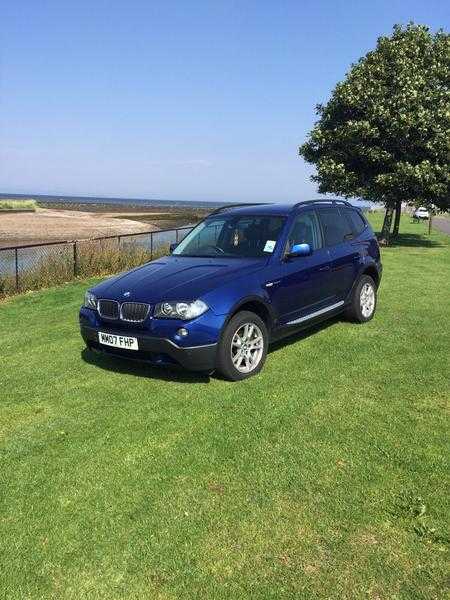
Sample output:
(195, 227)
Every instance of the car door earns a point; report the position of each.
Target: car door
(301, 286)
(344, 254)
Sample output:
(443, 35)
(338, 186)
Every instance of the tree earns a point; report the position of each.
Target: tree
(384, 135)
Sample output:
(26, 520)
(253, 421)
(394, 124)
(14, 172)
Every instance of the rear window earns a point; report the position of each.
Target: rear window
(355, 220)
(334, 225)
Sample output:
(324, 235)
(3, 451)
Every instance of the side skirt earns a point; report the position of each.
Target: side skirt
(316, 313)
(308, 321)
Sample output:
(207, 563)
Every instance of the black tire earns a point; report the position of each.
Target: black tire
(357, 312)
(225, 364)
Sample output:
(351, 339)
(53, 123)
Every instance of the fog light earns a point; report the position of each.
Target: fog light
(183, 332)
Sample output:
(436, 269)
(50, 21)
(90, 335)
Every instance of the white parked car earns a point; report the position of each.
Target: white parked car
(421, 213)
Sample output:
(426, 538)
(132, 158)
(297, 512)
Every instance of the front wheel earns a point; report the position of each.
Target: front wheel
(364, 300)
(243, 348)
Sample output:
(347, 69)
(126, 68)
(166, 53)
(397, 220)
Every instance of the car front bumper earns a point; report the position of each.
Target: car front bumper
(154, 350)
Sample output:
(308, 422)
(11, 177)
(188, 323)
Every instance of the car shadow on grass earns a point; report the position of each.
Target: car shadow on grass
(174, 373)
(302, 334)
(142, 369)
(414, 240)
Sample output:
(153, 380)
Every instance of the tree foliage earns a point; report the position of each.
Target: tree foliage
(384, 135)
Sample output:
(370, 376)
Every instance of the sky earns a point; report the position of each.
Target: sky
(184, 100)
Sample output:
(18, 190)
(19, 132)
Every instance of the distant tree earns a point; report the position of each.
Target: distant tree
(384, 135)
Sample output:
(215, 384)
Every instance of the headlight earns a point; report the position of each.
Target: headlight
(180, 310)
(90, 301)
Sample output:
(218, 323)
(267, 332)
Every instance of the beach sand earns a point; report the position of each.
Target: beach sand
(47, 225)
(55, 222)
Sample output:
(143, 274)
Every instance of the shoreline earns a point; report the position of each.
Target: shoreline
(109, 201)
(135, 207)
(50, 223)
(158, 217)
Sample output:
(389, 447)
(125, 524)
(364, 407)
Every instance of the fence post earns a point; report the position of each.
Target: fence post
(16, 263)
(75, 259)
(151, 246)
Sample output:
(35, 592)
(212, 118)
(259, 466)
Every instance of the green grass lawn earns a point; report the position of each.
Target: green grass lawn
(326, 476)
(27, 205)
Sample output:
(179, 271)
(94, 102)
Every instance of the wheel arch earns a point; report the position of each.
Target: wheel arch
(372, 271)
(256, 305)
(367, 269)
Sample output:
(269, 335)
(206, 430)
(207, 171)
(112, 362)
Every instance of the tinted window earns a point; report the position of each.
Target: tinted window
(334, 225)
(305, 230)
(356, 222)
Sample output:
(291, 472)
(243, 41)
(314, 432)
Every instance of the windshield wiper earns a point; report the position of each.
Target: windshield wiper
(209, 255)
(198, 255)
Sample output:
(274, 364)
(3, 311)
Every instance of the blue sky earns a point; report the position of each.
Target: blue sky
(191, 100)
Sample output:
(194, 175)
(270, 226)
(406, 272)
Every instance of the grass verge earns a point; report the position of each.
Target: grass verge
(17, 205)
(324, 477)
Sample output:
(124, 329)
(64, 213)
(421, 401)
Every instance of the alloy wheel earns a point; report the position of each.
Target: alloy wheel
(367, 300)
(247, 347)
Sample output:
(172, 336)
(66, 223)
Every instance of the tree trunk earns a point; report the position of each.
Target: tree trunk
(398, 213)
(386, 229)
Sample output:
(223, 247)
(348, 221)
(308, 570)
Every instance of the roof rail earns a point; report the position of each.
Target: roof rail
(324, 200)
(227, 206)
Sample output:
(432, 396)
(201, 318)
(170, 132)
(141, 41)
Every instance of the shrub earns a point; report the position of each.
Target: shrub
(54, 264)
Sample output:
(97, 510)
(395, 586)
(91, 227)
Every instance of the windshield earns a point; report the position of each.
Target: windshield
(233, 236)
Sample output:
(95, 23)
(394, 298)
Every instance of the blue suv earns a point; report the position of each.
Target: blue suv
(245, 276)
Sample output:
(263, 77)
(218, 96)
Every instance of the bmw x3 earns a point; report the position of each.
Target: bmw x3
(245, 276)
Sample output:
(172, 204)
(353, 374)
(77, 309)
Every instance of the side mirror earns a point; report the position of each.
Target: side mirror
(172, 247)
(300, 250)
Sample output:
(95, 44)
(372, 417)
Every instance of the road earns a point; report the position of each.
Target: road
(442, 225)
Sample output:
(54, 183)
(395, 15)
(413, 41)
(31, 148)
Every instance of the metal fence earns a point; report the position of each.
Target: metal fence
(33, 266)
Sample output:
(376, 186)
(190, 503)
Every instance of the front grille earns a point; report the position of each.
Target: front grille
(134, 312)
(130, 312)
(108, 309)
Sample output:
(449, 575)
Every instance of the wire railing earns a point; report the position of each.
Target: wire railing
(34, 266)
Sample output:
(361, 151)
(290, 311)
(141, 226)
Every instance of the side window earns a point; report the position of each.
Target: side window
(355, 220)
(335, 226)
(306, 230)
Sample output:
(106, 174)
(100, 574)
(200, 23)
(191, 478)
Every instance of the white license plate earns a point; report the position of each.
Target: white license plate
(118, 341)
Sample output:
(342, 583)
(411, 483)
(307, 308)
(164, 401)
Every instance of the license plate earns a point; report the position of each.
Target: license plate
(118, 341)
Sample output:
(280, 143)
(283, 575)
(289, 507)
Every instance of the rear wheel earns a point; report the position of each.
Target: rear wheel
(364, 300)
(243, 348)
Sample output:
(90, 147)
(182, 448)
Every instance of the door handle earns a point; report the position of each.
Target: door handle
(272, 283)
(325, 268)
